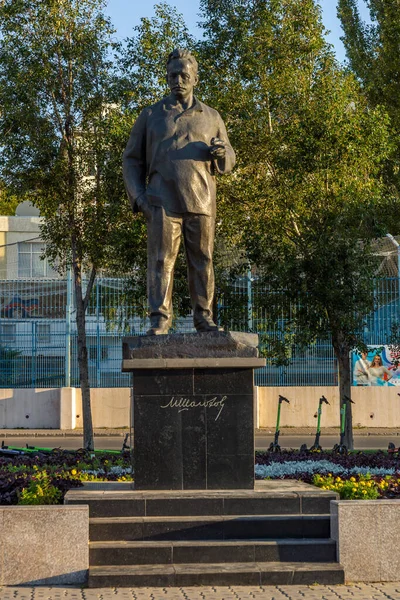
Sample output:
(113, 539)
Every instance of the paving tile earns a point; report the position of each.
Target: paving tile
(14, 593)
(57, 593)
(360, 591)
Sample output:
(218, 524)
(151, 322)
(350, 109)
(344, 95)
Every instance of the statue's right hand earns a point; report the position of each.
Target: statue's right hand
(144, 206)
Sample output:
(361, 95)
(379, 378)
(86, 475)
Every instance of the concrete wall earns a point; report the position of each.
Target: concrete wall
(374, 406)
(367, 537)
(44, 545)
(110, 407)
(37, 408)
(62, 408)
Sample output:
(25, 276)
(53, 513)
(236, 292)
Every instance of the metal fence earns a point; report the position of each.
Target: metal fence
(38, 338)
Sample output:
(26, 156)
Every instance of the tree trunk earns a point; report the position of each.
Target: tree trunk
(88, 440)
(80, 301)
(342, 353)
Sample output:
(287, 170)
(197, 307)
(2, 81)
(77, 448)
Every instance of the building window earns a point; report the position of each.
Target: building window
(43, 333)
(8, 333)
(30, 263)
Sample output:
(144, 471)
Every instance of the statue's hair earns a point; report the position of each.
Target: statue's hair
(182, 53)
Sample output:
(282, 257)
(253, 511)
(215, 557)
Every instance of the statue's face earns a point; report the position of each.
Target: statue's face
(181, 77)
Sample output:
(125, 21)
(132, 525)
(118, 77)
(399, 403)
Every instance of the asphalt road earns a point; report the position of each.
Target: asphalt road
(262, 441)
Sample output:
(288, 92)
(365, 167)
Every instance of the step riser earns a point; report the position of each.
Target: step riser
(306, 505)
(246, 529)
(307, 577)
(213, 554)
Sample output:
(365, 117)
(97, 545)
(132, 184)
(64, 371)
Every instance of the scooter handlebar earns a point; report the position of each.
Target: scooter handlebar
(323, 399)
(347, 399)
(283, 399)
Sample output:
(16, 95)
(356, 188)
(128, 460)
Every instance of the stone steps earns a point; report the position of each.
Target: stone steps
(218, 574)
(209, 527)
(278, 533)
(127, 502)
(212, 551)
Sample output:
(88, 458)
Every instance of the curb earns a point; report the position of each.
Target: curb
(284, 432)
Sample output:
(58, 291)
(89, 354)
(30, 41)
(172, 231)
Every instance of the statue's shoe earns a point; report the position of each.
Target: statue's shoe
(158, 327)
(207, 325)
(158, 330)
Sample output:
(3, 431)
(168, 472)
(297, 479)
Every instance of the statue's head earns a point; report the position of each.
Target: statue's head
(181, 72)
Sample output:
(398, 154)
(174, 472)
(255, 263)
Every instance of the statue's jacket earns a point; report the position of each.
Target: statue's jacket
(167, 157)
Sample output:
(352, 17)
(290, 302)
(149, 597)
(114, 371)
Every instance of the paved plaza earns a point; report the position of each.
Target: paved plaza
(357, 591)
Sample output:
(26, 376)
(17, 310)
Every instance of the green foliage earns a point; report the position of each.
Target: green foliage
(59, 131)
(373, 54)
(8, 202)
(306, 198)
(40, 490)
(62, 137)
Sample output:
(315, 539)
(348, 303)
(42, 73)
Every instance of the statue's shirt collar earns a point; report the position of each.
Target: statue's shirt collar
(170, 103)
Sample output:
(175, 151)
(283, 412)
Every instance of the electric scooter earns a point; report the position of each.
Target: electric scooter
(274, 446)
(316, 446)
(341, 448)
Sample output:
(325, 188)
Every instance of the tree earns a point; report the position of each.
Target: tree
(373, 54)
(8, 202)
(306, 199)
(58, 124)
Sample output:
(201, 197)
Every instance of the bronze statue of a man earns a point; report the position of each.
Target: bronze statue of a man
(174, 151)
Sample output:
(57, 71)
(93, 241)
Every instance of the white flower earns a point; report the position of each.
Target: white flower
(279, 470)
(119, 471)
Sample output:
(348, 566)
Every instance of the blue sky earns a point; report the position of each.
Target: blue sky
(125, 14)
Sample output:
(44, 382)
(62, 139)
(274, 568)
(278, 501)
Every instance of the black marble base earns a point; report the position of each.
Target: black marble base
(194, 428)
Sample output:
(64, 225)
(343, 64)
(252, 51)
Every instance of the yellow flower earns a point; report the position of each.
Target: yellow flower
(338, 479)
(73, 472)
(352, 478)
(369, 484)
(35, 467)
(354, 490)
(362, 483)
(364, 491)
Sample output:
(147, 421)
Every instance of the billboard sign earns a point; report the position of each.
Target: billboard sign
(377, 367)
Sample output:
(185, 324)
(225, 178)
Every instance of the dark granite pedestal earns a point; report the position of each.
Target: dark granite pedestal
(193, 417)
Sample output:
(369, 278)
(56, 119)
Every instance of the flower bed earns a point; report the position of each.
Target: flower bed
(45, 478)
(355, 476)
